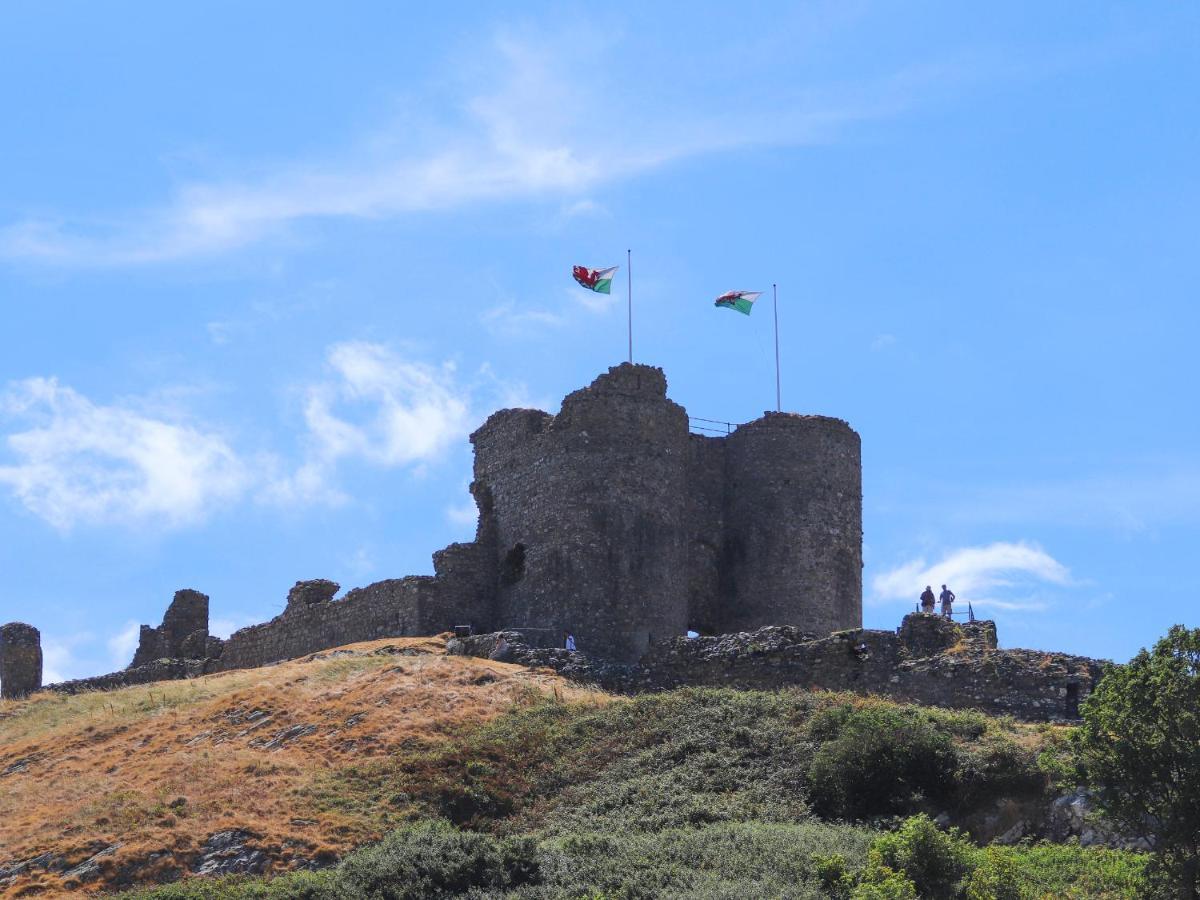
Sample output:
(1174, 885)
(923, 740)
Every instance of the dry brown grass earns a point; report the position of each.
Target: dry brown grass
(158, 768)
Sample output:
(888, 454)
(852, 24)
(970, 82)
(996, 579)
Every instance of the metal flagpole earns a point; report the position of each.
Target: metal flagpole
(775, 296)
(629, 286)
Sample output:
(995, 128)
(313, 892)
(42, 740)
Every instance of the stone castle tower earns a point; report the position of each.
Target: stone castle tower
(612, 520)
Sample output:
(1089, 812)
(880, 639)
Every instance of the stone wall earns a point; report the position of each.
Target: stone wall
(20, 660)
(793, 525)
(611, 521)
(394, 608)
(183, 633)
(588, 512)
(928, 660)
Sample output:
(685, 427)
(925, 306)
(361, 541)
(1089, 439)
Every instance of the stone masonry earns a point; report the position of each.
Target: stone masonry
(612, 521)
(183, 633)
(20, 660)
(928, 660)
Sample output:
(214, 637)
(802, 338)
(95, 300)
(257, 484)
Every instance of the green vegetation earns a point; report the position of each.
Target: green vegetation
(696, 757)
(802, 861)
(699, 794)
(1139, 746)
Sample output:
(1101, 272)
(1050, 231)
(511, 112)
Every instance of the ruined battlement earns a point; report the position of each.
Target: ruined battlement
(610, 520)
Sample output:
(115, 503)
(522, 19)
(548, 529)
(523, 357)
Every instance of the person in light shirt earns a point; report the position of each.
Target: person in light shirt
(947, 598)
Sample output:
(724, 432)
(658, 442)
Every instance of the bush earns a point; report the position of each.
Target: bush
(878, 760)
(998, 877)
(885, 885)
(436, 860)
(296, 886)
(934, 860)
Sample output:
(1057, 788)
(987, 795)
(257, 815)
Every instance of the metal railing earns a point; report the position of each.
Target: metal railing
(968, 614)
(711, 426)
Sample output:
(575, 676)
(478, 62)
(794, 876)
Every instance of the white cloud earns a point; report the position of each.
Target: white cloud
(57, 660)
(377, 407)
(527, 130)
(882, 341)
(510, 319)
(122, 644)
(465, 513)
(1002, 575)
(75, 461)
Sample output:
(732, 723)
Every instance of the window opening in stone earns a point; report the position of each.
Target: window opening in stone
(513, 569)
(1072, 701)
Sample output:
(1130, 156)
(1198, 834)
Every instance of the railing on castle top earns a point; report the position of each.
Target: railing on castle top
(711, 426)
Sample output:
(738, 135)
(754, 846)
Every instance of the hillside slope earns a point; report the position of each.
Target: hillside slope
(151, 782)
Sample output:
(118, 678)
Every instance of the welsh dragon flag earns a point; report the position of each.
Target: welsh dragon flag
(742, 301)
(598, 280)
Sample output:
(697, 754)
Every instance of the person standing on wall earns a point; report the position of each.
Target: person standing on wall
(927, 600)
(569, 641)
(947, 598)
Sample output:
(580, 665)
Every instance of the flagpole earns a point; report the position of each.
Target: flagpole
(629, 295)
(775, 296)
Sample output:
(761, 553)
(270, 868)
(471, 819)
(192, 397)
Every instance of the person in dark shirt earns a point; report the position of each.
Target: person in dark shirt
(927, 600)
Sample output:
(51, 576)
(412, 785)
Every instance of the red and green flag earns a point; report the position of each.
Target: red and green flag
(598, 280)
(742, 301)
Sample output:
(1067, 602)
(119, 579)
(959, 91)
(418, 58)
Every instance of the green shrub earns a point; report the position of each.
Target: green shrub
(436, 860)
(934, 860)
(998, 877)
(885, 885)
(878, 760)
(296, 886)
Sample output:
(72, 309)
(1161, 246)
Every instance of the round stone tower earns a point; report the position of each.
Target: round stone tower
(20, 660)
(584, 510)
(792, 551)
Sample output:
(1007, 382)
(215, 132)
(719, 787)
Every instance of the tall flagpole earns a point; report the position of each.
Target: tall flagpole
(629, 286)
(775, 296)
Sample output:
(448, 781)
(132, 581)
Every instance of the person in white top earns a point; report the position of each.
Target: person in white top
(569, 641)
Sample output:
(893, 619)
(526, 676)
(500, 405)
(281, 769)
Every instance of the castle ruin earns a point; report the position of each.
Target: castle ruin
(613, 521)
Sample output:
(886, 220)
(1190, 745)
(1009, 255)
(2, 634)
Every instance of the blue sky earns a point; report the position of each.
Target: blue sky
(263, 267)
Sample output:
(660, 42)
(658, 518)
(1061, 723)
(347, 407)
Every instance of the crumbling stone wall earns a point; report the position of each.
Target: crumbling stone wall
(314, 621)
(183, 633)
(609, 520)
(20, 660)
(949, 665)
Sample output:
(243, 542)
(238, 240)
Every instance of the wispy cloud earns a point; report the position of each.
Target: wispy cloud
(465, 513)
(1003, 575)
(74, 461)
(525, 129)
(378, 407)
(122, 645)
(509, 318)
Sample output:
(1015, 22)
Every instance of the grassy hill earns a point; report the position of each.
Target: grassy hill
(458, 775)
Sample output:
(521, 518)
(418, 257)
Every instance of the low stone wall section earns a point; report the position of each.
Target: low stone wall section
(965, 670)
(398, 607)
